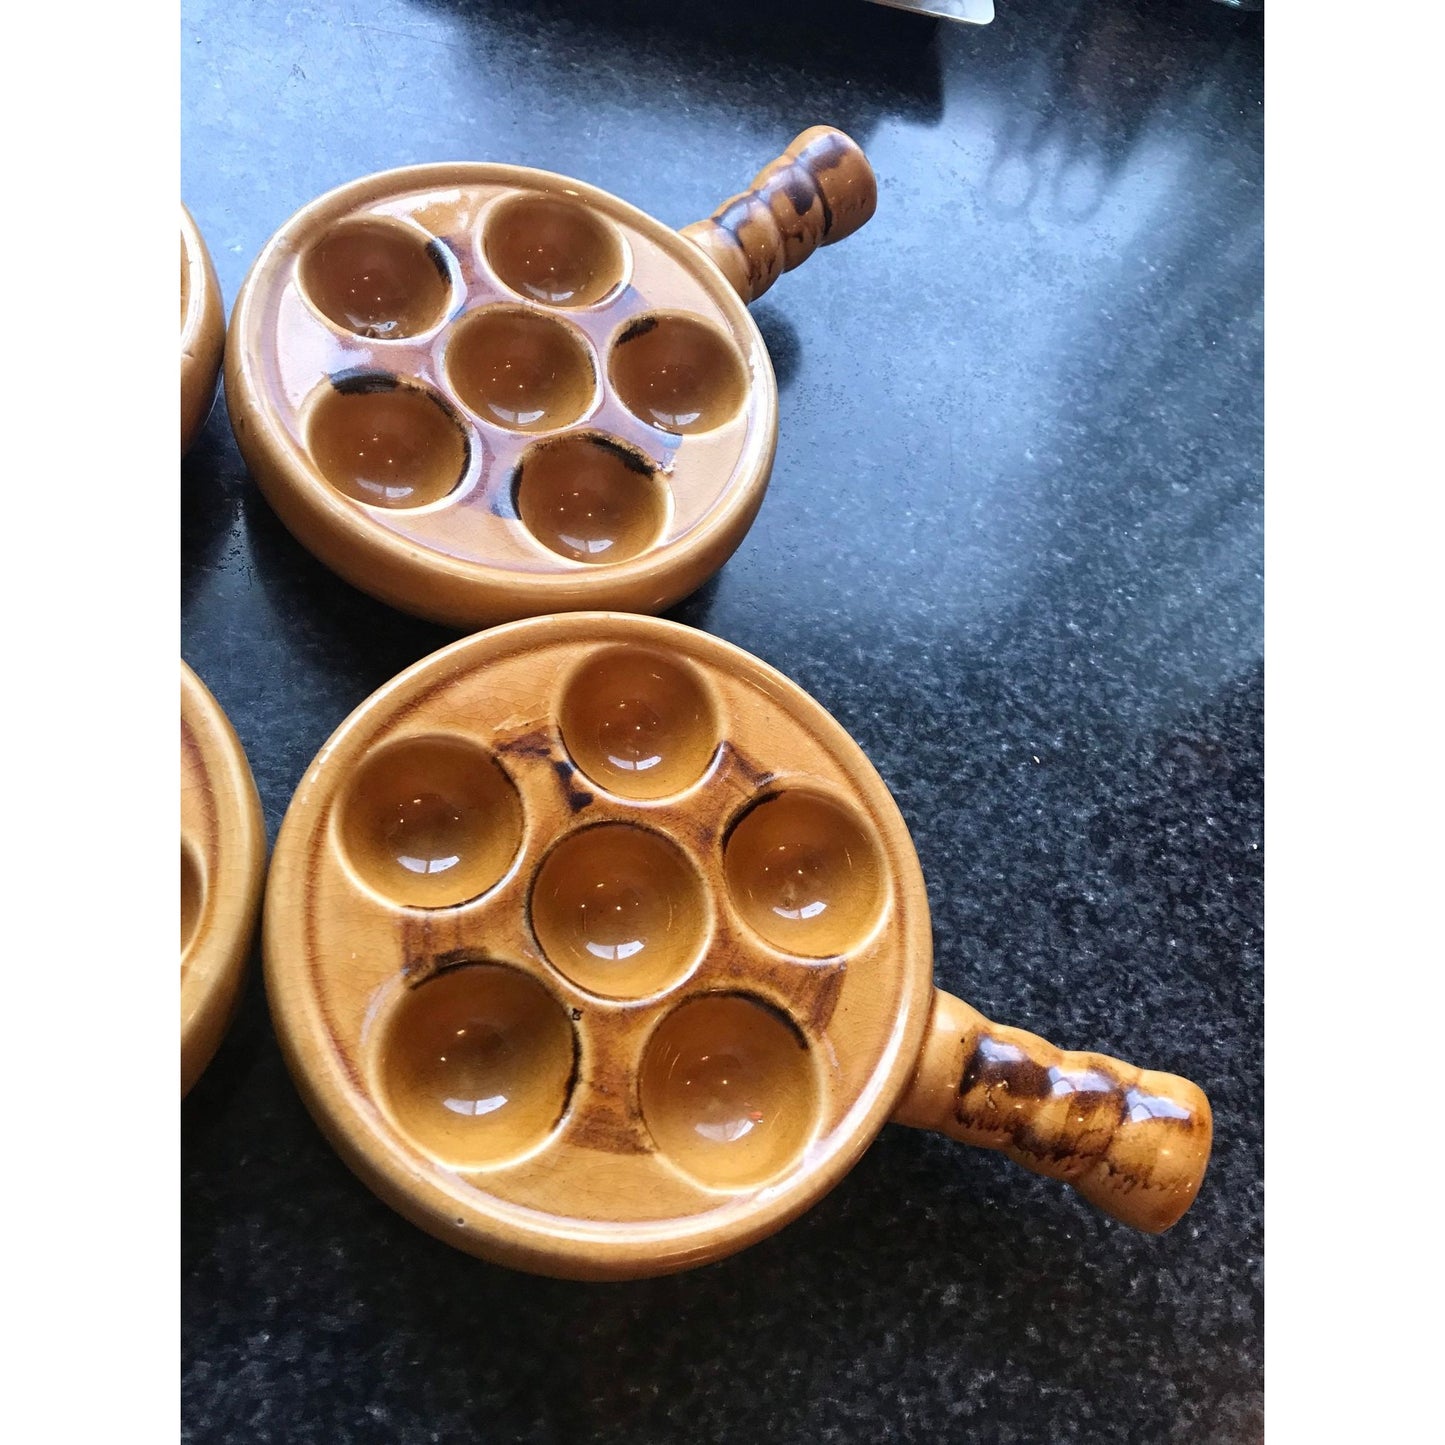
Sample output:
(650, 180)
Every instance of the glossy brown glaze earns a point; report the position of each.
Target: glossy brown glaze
(481, 392)
(695, 1084)
(223, 859)
(818, 191)
(1133, 1142)
(203, 331)
(599, 949)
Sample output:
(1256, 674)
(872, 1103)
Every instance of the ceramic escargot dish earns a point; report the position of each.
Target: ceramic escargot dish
(599, 949)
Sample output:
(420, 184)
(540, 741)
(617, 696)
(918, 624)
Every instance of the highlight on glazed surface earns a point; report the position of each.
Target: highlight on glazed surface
(521, 370)
(619, 910)
(586, 498)
(482, 392)
(697, 1081)
(632, 944)
(804, 872)
(386, 444)
(536, 314)
(203, 331)
(378, 279)
(820, 190)
(431, 821)
(678, 373)
(550, 250)
(728, 1089)
(223, 859)
(639, 723)
(1134, 1142)
(476, 1064)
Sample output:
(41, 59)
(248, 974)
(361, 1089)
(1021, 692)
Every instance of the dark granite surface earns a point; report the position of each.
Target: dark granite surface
(1013, 542)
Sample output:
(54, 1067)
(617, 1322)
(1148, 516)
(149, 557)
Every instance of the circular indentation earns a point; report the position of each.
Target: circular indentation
(589, 498)
(619, 910)
(193, 895)
(553, 250)
(638, 723)
(678, 373)
(521, 369)
(728, 1090)
(386, 443)
(805, 873)
(378, 279)
(431, 821)
(476, 1064)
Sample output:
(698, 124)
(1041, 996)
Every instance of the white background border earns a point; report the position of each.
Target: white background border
(1355, 393)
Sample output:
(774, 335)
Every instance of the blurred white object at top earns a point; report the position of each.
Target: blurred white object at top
(980, 12)
(971, 12)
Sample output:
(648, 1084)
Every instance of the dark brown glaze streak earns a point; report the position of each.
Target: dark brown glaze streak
(1083, 1118)
(437, 254)
(818, 191)
(363, 381)
(639, 327)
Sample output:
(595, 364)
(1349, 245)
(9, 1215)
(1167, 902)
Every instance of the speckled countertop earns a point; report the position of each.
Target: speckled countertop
(1013, 542)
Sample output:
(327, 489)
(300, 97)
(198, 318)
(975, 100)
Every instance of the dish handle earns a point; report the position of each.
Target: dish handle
(818, 191)
(1133, 1142)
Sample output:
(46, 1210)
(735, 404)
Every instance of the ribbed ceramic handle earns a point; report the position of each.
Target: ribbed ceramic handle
(818, 191)
(1134, 1143)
